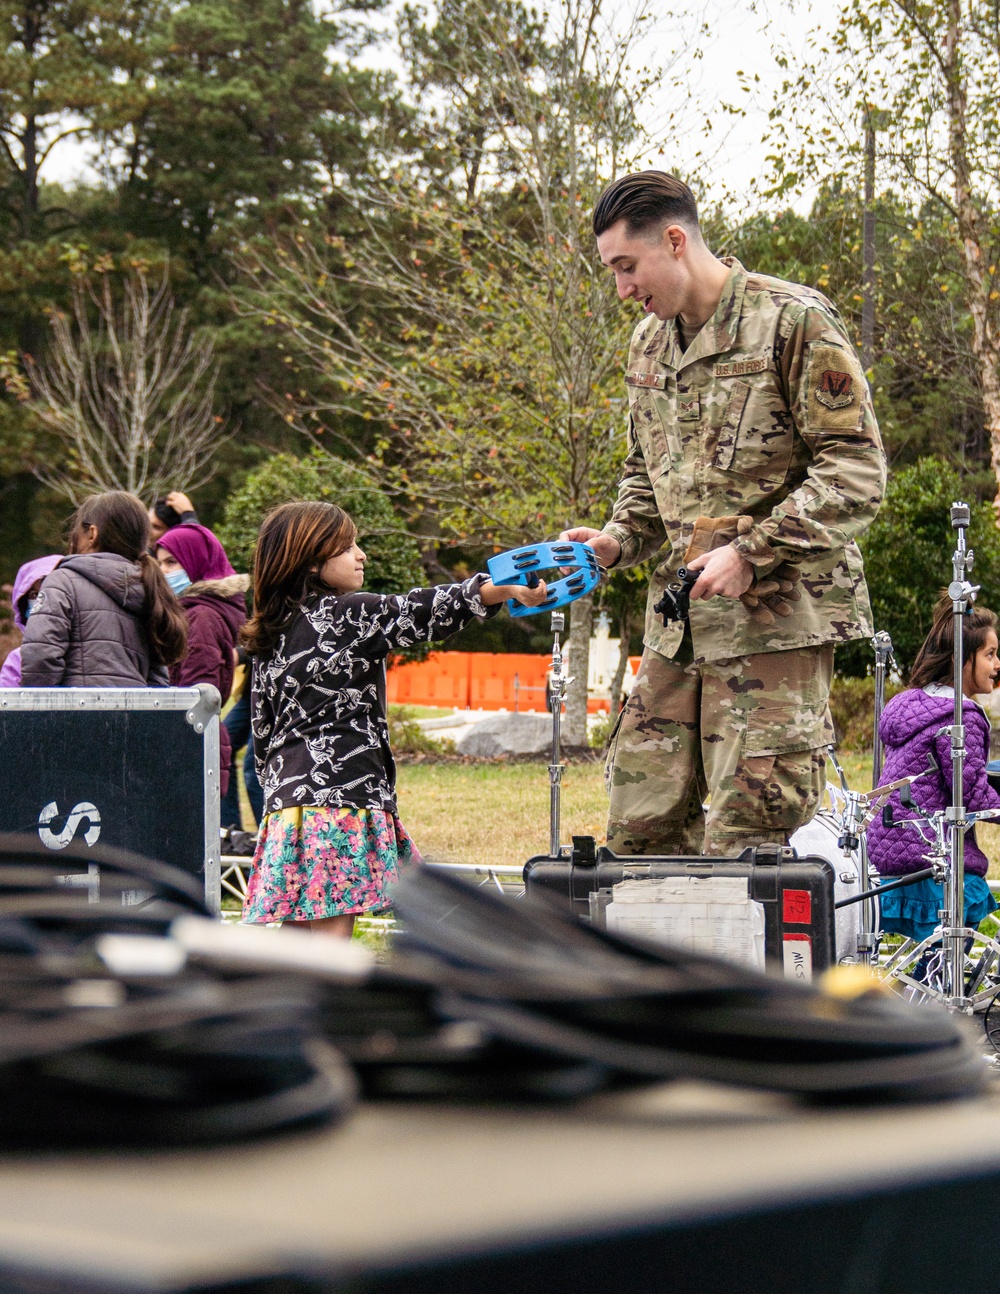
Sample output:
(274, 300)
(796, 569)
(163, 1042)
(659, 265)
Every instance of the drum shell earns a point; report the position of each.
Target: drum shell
(819, 838)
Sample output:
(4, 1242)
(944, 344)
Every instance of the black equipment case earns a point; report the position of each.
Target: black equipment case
(796, 893)
(136, 768)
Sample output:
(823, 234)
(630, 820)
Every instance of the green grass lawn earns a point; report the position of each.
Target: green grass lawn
(499, 813)
(496, 813)
(483, 813)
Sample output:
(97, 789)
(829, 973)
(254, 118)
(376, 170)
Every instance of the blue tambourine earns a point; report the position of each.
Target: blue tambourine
(521, 566)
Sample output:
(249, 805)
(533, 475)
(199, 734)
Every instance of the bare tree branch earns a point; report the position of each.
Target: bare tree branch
(127, 388)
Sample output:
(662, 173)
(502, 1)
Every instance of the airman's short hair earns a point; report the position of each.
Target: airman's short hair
(644, 200)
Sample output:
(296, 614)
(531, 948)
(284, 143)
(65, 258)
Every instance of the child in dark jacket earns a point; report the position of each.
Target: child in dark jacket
(331, 840)
(105, 617)
(913, 726)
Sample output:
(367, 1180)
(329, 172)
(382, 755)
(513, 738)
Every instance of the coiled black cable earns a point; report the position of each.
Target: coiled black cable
(151, 1055)
(536, 978)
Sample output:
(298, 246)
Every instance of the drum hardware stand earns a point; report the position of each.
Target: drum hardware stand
(953, 933)
(557, 696)
(855, 814)
(859, 808)
(882, 646)
(910, 951)
(869, 935)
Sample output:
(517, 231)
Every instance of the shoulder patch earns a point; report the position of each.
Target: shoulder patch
(739, 368)
(646, 379)
(836, 388)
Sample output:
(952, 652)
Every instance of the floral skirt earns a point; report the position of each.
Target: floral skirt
(315, 863)
(913, 910)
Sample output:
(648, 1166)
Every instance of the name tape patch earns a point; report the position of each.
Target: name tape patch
(646, 379)
(740, 367)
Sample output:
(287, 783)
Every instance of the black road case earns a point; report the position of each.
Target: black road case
(796, 894)
(136, 768)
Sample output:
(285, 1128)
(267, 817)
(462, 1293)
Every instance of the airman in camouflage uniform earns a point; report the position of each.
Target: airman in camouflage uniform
(765, 414)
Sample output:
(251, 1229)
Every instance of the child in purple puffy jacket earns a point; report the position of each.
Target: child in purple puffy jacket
(913, 725)
(27, 583)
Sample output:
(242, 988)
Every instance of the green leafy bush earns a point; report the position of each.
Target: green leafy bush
(599, 733)
(852, 704)
(406, 737)
(393, 557)
(907, 554)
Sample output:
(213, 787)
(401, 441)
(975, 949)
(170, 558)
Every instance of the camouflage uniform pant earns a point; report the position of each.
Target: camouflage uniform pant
(750, 732)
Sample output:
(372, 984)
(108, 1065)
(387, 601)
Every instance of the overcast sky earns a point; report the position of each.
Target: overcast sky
(737, 41)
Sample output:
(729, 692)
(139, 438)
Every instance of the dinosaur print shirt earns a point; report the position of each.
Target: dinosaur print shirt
(321, 738)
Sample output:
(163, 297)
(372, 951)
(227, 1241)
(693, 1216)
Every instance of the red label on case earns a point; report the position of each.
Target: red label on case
(796, 907)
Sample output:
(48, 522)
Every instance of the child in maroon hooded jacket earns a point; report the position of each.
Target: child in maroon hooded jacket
(914, 726)
(212, 595)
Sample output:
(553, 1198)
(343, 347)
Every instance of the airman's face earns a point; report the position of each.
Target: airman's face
(649, 268)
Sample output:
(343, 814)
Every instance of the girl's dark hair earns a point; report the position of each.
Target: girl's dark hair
(934, 659)
(123, 527)
(165, 514)
(293, 539)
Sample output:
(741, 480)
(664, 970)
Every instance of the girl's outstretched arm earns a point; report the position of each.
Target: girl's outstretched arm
(377, 624)
(493, 594)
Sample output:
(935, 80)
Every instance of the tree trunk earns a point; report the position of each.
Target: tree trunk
(574, 730)
(624, 634)
(985, 343)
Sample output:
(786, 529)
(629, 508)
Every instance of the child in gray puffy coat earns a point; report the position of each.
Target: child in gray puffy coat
(105, 617)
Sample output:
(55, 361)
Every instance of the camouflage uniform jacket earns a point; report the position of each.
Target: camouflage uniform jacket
(766, 414)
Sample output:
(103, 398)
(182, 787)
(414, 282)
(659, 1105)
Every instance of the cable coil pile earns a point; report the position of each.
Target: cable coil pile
(158, 1053)
(129, 1017)
(538, 978)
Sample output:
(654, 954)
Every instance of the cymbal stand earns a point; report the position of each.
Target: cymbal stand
(557, 695)
(882, 646)
(944, 977)
(868, 922)
(953, 932)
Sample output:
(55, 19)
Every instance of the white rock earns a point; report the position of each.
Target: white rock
(507, 734)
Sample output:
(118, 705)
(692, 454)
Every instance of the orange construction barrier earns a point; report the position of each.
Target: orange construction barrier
(468, 680)
(471, 680)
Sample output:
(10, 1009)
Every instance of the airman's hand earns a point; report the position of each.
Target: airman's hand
(724, 573)
(606, 548)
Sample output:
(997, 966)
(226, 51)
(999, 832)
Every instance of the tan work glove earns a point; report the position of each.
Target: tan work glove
(766, 598)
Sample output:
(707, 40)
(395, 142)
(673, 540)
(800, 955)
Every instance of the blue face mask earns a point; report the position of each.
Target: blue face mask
(178, 581)
(32, 603)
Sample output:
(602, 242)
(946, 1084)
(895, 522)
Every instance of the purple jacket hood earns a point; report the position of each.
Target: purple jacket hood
(26, 576)
(913, 711)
